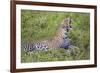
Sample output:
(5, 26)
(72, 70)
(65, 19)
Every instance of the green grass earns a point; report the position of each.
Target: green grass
(53, 55)
(39, 25)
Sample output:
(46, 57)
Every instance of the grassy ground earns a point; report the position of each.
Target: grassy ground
(53, 55)
(43, 56)
(37, 25)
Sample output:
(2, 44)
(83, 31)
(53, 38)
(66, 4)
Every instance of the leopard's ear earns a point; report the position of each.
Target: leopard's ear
(70, 26)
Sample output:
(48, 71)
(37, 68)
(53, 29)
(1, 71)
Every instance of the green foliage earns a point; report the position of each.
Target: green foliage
(80, 34)
(52, 55)
(39, 24)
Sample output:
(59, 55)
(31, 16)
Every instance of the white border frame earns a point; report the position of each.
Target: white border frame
(20, 65)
